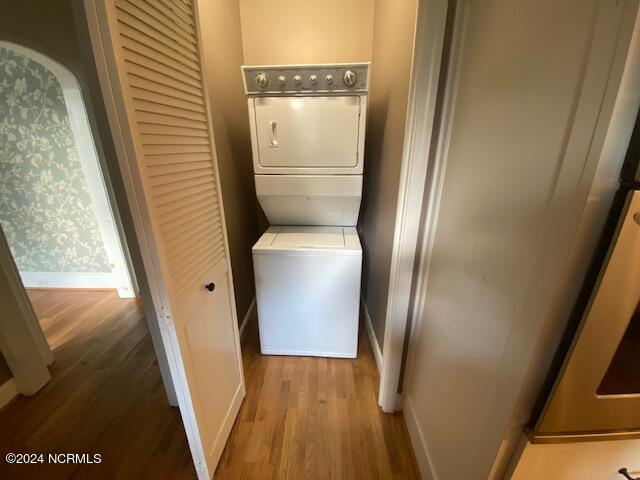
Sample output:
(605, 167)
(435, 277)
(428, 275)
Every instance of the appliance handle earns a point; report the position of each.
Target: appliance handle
(273, 133)
(625, 473)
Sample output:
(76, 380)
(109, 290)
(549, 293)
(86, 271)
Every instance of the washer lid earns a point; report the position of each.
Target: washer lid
(308, 239)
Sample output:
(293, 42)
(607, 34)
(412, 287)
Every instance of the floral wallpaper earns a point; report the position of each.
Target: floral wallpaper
(45, 209)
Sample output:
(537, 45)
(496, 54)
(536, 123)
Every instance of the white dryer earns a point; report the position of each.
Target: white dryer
(307, 129)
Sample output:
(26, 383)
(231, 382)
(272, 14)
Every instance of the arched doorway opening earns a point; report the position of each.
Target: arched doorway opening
(54, 206)
(56, 219)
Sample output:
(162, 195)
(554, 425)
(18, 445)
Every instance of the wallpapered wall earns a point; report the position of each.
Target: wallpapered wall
(45, 209)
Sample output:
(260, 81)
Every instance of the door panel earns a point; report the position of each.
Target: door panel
(213, 359)
(528, 99)
(152, 53)
(330, 125)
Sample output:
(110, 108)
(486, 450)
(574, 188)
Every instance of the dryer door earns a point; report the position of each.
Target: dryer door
(307, 132)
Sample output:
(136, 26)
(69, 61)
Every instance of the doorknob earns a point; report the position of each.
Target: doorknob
(625, 473)
(210, 286)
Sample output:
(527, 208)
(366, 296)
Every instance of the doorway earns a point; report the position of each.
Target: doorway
(56, 218)
(59, 227)
(54, 207)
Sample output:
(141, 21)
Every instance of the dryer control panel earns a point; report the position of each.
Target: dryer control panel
(306, 79)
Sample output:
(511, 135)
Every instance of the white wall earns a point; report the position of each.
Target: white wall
(526, 125)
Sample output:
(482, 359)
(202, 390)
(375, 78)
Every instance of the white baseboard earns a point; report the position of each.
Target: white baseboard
(68, 280)
(247, 317)
(417, 441)
(375, 346)
(8, 391)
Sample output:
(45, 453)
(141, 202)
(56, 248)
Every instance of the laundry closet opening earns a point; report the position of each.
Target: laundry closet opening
(309, 125)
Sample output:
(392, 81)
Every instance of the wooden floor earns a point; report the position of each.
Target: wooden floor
(301, 418)
(106, 395)
(314, 418)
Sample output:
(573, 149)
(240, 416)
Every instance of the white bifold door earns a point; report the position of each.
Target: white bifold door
(149, 62)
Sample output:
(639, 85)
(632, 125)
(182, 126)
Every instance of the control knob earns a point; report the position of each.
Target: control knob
(313, 79)
(282, 79)
(329, 79)
(297, 80)
(349, 78)
(262, 81)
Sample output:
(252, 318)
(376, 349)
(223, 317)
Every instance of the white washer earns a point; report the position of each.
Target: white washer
(308, 290)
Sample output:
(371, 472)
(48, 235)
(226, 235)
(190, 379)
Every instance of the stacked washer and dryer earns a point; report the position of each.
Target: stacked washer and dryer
(307, 132)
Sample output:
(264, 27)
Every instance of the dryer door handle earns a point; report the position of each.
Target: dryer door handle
(273, 133)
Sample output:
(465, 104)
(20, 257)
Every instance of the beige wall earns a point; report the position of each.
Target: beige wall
(292, 31)
(45, 26)
(222, 44)
(393, 35)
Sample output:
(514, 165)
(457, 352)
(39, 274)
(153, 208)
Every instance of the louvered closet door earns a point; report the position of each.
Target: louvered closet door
(156, 50)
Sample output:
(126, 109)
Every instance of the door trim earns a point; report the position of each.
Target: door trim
(368, 323)
(22, 341)
(248, 317)
(100, 32)
(416, 171)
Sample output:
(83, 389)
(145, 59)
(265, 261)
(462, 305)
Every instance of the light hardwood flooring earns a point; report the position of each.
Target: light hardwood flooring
(106, 395)
(312, 418)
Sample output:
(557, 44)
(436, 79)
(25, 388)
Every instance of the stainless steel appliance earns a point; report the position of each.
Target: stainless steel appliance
(595, 387)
